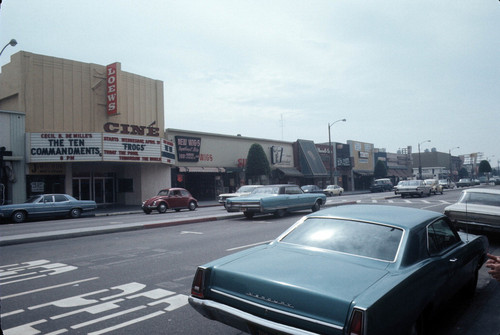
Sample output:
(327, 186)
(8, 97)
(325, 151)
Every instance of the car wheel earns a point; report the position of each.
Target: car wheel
(192, 206)
(75, 213)
(19, 216)
(340, 193)
(162, 208)
(147, 211)
(316, 206)
(279, 213)
(248, 215)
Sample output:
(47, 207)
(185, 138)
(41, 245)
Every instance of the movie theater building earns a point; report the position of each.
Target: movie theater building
(92, 131)
(209, 164)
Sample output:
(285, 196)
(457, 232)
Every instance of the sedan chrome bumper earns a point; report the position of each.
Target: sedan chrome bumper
(241, 320)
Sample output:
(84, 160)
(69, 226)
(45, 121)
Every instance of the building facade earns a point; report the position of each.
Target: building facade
(209, 164)
(92, 131)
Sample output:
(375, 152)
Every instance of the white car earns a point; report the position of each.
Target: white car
(242, 191)
(477, 208)
(414, 187)
(332, 190)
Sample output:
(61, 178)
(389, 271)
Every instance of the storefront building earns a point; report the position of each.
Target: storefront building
(363, 164)
(12, 158)
(91, 131)
(209, 164)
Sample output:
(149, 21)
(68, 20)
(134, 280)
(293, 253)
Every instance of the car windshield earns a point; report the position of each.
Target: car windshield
(351, 237)
(478, 198)
(266, 190)
(163, 192)
(245, 189)
(33, 199)
(410, 183)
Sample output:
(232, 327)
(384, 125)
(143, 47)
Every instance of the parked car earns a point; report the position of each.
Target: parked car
(464, 182)
(47, 206)
(414, 187)
(381, 185)
(435, 186)
(354, 269)
(242, 191)
(311, 189)
(396, 188)
(276, 199)
(170, 198)
(448, 184)
(476, 208)
(332, 190)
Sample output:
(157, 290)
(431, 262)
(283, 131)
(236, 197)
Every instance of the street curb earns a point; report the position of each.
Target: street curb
(82, 232)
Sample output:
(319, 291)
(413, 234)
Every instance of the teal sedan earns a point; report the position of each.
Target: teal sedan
(355, 269)
(47, 206)
(277, 200)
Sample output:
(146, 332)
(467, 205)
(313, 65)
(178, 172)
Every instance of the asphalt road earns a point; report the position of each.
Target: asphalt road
(137, 282)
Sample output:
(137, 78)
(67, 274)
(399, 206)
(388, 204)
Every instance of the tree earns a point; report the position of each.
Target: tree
(463, 173)
(484, 167)
(380, 170)
(257, 162)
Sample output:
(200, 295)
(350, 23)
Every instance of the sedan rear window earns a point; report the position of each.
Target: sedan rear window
(351, 237)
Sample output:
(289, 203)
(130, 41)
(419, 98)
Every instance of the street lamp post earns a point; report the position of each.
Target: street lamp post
(420, 161)
(12, 43)
(450, 159)
(330, 148)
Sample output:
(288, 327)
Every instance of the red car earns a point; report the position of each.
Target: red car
(170, 198)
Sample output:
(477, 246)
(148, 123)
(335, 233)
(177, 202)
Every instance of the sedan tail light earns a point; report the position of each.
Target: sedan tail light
(198, 286)
(356, 323)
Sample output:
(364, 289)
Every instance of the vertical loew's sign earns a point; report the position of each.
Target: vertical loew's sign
(111, 89)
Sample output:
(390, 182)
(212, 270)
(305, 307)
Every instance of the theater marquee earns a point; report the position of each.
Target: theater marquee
(59, 147)
(56, 147)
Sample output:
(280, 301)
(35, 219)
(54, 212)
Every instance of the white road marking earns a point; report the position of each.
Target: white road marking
(191, 232)
(107, 317)
(48, 288)
(25, 329)
(12, 313)
(125, 324)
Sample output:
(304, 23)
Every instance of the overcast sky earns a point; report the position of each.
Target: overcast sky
(401, 72)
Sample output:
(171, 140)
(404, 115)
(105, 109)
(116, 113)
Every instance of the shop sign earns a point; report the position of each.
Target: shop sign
(111, 89)
(46, 169)
(188, 148)
(131, 148)
(130, 129)
(276, 154)
(167, 152)
(56, 147)
(37, 187)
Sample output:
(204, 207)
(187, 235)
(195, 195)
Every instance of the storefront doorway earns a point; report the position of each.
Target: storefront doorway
(104, 190)
(99, 189)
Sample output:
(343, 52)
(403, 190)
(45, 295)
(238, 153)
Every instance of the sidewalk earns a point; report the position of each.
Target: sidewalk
(122, 210)
(135, 209)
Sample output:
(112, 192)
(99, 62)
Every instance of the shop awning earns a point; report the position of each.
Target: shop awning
(289, 172)
(402, 173)
(363, 172)
(201, 169)
(310, 161)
